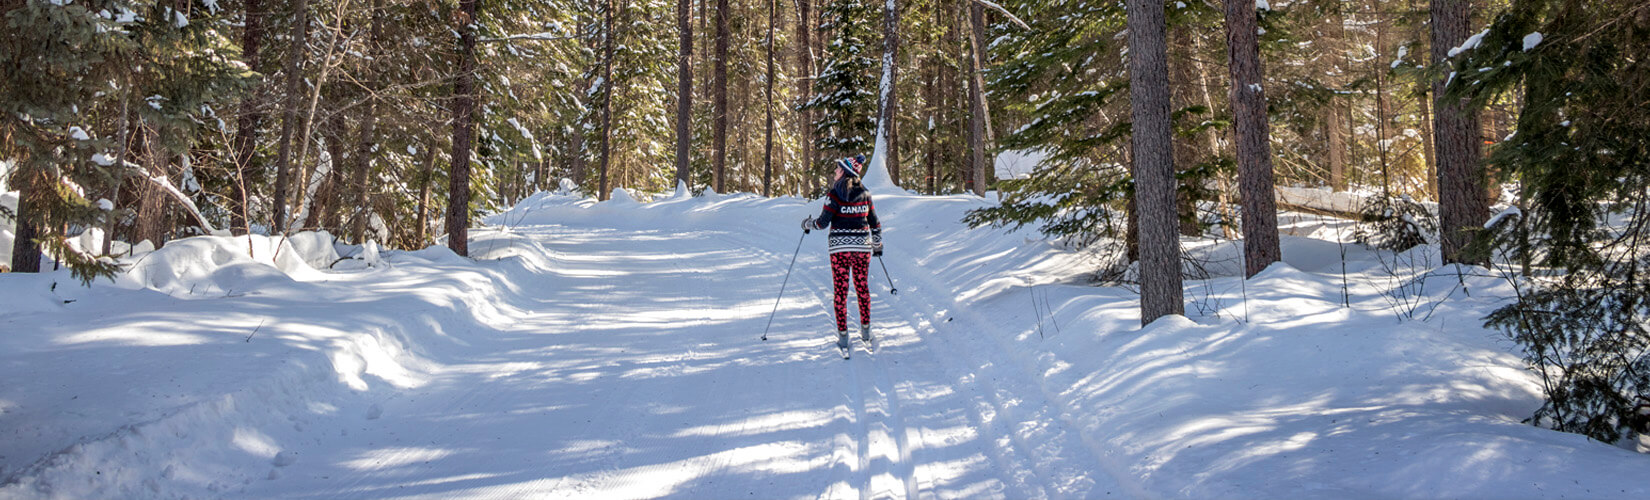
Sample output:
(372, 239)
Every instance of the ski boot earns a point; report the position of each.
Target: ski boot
(865, 332)
(842, 339)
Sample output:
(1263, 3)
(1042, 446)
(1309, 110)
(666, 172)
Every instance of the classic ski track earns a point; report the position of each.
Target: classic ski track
(1018, 452)
(988, 431)
(892, 422)
(1051, 406)
(1036, 464)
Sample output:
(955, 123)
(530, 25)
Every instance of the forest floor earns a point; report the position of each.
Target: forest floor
(613, 350)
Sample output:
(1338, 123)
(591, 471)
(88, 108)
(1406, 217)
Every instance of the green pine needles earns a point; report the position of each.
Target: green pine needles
(1581, 157)
(845, 90)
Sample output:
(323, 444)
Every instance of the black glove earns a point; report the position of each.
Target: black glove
(876, 245)
(808, 225)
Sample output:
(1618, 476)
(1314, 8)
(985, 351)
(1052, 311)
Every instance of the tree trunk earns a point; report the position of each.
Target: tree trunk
(1207, 81)
(337, 195)
(119, 172)
(1383, 111)
(246, 126)
(150, 223)
(976, 99)
(34, 187)
(1334, 134)
(804, 80)
(1252, 135)
(368, 142)
(464, 97)
(289, 112)
(1462, 204)
(425, 180)
(684, 91)
(888, 109)
(1183, 94)
(1160, 285)
(719, 99)
(1423, 102)
(930, 93)
(607, 103)
(767, 139)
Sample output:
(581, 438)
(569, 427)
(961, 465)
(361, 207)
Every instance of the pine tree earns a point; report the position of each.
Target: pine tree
(1582, 157)
(1065, 81)
(62, 65)
(844, 94)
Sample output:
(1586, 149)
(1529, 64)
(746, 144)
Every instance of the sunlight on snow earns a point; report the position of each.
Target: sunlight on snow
(127, 335)
(255, 442)
(388, 458)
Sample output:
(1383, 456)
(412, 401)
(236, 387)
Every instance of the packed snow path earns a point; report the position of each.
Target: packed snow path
(611, 350)
(635, 370)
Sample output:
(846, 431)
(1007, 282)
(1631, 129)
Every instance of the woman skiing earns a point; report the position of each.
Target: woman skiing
(855, 236)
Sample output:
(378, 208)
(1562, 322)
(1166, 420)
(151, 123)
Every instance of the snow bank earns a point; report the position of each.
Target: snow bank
(1270, 388)
(212, 363)
(207, 264)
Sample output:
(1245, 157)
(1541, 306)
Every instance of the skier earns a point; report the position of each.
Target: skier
(855, 236)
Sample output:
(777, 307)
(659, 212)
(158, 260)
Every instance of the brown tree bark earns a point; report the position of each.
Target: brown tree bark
(464, 97)
(1334, 133)
(1462, 202)
(888, 111)
(1252, 135)
(33, 184)
(289, 112)
(976, 97)
(246, 125)
(719, 99)
(606, 157)
(930, 92)
(684, 90)
(150, 224)
(368, 141)
(804, 81)
(1423, 102)
(335, 194)
(767, 121)
(1160, 282)
(426, 179)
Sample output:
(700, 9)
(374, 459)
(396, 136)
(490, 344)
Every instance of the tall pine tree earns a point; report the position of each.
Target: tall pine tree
(845, 98)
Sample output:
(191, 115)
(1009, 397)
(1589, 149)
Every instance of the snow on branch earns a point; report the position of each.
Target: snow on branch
(999, 8)
(188, 204)
(539, 37)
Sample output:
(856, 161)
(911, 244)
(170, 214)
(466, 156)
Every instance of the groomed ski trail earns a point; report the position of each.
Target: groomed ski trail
(629, 371)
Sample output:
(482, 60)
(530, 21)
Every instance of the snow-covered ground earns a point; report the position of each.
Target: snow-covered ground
(612, 350)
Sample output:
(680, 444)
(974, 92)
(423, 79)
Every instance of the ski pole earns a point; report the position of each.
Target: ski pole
(891, 289)
(782, 285)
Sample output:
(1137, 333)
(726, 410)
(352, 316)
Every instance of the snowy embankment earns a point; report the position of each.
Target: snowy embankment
(609, 349)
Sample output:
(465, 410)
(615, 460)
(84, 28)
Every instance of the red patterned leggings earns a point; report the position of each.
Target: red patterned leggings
(845, 266)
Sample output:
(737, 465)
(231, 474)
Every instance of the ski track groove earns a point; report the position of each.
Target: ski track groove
(1051, 407)
(989, 441)
(1017, 452)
